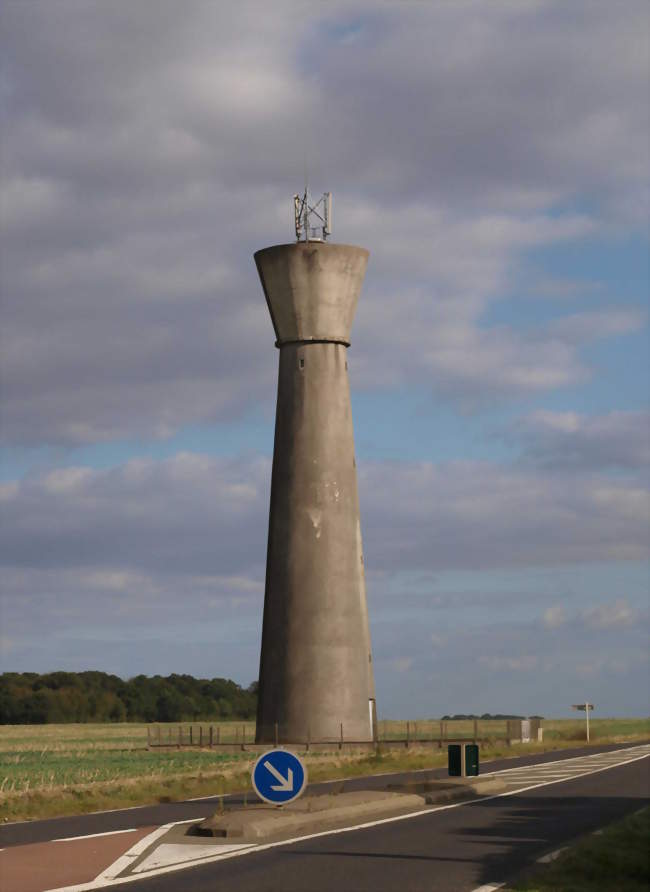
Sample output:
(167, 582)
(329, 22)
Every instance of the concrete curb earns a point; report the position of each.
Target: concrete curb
(308, 815)
(312, 814)
(436, 792)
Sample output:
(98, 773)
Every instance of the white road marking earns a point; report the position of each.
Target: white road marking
(489, 887)
(93, 835)
(135, 851)
(103, 880)
(179, 853)
(546, 859)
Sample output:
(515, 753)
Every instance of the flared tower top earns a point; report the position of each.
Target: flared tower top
(312, 289)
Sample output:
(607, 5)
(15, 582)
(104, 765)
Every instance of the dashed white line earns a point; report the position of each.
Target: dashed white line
(489, 887)
(93, 835)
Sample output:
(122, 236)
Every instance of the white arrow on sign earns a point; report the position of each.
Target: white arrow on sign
(286, 783)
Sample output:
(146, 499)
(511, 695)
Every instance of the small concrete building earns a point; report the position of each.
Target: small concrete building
(316, 675)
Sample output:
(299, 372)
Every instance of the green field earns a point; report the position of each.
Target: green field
(45, 757)
(67, 769)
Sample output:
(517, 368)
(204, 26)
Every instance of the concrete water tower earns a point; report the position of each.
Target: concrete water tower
(316, 676)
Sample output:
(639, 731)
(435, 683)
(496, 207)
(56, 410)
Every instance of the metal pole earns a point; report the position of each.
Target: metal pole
(587, 714)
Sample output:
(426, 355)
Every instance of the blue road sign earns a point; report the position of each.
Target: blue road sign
(279, 777)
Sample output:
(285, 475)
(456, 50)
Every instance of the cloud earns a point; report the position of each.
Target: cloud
(563, 440)
(476, 515)
(182, 541)
(456, 140)
(524, 663)
(513, 665)
(554, 617)
(608, 616)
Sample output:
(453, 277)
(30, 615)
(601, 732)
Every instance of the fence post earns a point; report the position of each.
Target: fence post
(200, 735)
(158, 735)
(191, 737)
(148, 740)
(341, 740)
(180, 736)
(243, 737)
(218, 733)
(169, 735)
(211, 735)
(408, 734)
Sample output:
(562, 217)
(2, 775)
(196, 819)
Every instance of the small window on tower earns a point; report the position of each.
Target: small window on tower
(302, 363)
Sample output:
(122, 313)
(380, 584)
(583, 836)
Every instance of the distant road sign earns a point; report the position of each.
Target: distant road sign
(586, 708)
(279, 777)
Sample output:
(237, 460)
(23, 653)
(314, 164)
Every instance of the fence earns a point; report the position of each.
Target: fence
(390, 734)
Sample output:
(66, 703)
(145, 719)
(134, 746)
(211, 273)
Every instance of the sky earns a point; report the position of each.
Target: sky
(493, 158)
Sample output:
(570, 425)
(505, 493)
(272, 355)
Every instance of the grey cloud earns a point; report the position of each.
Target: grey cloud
(197, 515)
(147, 155)
(156, 565)
(477, 515)
(561, 440)
(179, 536)
(512, 666)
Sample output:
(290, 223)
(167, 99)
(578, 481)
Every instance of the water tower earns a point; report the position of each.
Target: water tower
(316, 675)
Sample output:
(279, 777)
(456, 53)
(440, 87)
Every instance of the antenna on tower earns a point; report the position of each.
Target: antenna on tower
(306, 214)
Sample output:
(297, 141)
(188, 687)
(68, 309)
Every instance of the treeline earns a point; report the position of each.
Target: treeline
(461, 717)
(28, 698)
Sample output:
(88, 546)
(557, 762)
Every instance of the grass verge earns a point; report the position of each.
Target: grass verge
(618, 860)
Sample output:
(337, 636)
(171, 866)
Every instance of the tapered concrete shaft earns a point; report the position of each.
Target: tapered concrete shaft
(316, 674)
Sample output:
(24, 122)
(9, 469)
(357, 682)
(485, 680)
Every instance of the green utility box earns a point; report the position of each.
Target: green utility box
(462, 759)
(471, 759)
(454, 759)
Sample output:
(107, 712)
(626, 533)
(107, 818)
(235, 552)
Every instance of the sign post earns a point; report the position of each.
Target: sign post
(586, 708)
(279, 777)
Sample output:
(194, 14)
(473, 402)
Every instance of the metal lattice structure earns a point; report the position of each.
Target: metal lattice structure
(313, 220)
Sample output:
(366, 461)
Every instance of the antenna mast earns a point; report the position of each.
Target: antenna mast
(313, 221)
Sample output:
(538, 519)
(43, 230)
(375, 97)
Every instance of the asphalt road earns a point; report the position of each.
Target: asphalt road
(151, 815)
(456, 849)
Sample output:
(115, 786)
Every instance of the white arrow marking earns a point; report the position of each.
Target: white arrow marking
(286, 783)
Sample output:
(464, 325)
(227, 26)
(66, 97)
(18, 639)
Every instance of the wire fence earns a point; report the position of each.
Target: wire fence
(389, 733)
